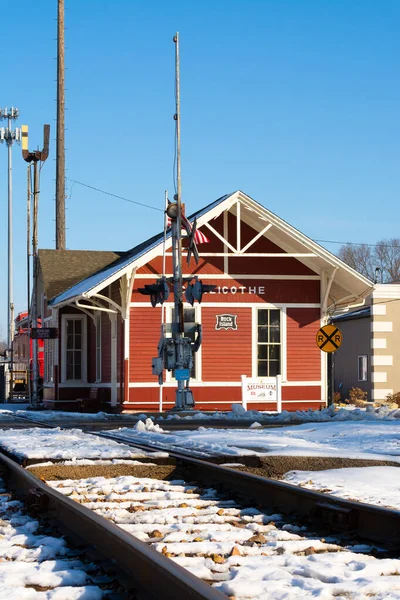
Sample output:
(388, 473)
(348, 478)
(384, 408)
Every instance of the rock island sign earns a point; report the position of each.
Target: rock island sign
(226, 322)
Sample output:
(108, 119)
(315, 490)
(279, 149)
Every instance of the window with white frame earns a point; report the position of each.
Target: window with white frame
(74, 348)
(268, 342)
(189, 319)
(48, 360)
(363, 367)
(98, 348)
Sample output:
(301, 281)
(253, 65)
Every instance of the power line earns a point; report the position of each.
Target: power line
(96, 189)
(92, 187)
(356, 244)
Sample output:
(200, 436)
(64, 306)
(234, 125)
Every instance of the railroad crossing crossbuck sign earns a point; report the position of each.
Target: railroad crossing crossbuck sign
(329, 338)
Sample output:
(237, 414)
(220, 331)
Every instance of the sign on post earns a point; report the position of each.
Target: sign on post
(44, 333)
(181, 374)
(329, 338)
(262, 389)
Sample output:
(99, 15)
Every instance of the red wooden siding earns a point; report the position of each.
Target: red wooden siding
(208, 265)
(303, 355)
(301, 392)
(144, 326)
(226, 353)
(72, 393)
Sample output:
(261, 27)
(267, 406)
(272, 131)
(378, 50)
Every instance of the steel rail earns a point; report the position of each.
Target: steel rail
(173, 425)
(145, 569)
(362, 520)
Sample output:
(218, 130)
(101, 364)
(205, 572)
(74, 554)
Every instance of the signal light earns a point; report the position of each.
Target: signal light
(158, 292)
(194, 291)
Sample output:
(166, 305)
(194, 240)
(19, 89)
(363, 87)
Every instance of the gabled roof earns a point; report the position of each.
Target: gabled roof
(62, 269)
(348, 285)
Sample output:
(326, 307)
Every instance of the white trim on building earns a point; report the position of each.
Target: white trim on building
(383, 360)
(382, 326)
(82, 350)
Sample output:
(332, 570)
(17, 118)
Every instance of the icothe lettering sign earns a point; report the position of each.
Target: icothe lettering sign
(226, 322)
(259, 290)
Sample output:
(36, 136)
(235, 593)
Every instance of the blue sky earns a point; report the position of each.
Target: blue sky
(294, 102)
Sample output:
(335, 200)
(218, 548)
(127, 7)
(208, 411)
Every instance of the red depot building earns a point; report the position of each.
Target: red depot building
(274, 289)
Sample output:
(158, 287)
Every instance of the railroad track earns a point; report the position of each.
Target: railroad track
(365, 521)
(146, 573)
(217, 522)
(171, 424)
(36, 560)
(202, 519)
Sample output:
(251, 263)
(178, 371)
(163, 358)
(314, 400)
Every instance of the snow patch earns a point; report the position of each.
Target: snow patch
(148, 425)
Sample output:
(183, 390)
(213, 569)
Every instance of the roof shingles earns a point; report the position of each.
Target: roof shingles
(61, 269)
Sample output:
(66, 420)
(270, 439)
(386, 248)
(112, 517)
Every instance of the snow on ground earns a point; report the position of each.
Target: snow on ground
(348, 413)
(373, 485)
(30, 560)
(19, 410)
(72, 444)
(11, 407)
(238, 413)
(244, 552)
(375, 439)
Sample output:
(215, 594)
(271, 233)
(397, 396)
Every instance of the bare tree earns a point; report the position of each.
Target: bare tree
(388, 254)
(384, 258)
(359, 258)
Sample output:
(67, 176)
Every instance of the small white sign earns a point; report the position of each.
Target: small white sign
(261, 389)
(226, 322)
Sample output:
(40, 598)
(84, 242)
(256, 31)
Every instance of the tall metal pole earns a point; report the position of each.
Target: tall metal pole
(177, 225)
(10, 244)
(10, 337)
(35, 157)
(35, 394)
(60, 149)
(164, 266)
(9, 136)
(28, 274)
(176, 354)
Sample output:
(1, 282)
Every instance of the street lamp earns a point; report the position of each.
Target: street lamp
(9, 136)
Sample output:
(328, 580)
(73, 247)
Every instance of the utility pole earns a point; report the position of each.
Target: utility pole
(28, 273)
(60, 137)
(35, 157)
(9, 136)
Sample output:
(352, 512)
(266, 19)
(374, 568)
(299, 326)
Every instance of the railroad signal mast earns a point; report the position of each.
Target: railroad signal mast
(176, 353)
(34, 157)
